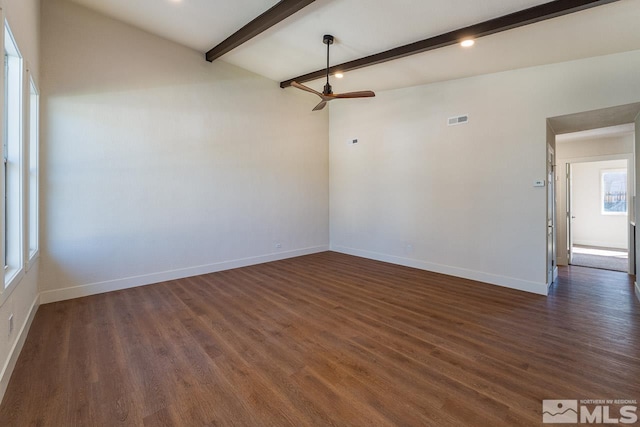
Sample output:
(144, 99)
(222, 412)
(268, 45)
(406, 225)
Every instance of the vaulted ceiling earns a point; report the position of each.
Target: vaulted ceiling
(364, 27)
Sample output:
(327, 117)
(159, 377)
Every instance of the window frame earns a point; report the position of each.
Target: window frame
(3, 289)
(603, 172)
(31, 178)
(14, 268)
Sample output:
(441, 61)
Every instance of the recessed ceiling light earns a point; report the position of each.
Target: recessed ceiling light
(339, 75)
(467, 43)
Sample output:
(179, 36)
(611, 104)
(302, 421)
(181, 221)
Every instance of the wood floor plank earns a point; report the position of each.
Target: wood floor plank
(326, 339)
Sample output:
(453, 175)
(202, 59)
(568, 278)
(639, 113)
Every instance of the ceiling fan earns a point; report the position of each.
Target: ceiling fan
(327, 94)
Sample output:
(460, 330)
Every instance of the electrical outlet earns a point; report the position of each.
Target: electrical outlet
(10, 324)
(278, 245)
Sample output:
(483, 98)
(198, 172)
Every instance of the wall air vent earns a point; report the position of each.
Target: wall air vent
(459, 120)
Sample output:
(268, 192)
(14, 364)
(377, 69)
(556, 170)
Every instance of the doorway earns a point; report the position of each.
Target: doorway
(604, 134)
(597, 222)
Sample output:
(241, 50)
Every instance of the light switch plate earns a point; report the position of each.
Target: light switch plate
(538, 183)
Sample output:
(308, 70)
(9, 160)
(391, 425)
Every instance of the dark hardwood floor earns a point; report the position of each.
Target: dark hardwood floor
(327, 339)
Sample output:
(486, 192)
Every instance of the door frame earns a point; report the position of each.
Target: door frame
(569, 210)
(596, 119)
(552, 264)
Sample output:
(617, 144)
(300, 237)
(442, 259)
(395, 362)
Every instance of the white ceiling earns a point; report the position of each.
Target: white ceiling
(364, 27)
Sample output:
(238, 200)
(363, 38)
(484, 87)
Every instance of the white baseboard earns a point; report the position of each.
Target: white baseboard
(493, 279)
(10, 364)
(55, 295)
(555, 277)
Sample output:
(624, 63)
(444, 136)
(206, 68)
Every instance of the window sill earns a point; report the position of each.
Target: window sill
(33, 257)
(14, 277)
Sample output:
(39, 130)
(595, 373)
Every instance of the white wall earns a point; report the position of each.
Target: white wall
(158, 164)
(460, 200)
(24, 19)
(22, 301)
(591, 227)
(594, 147)
(581, 150)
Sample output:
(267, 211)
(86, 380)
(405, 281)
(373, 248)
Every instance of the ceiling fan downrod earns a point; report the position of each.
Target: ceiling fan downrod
(328, 40)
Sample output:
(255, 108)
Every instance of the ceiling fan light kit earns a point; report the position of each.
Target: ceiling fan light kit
(327, 94)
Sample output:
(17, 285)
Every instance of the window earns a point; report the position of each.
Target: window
(19, 179)
(34, 110)
(13, 158)
(614, 191)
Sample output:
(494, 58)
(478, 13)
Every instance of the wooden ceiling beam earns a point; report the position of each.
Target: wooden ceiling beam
(279, 12)
(514, 20)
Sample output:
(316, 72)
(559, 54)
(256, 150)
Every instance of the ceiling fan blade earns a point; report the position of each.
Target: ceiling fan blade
(361, 94)
(320, 106)
(305, 88)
